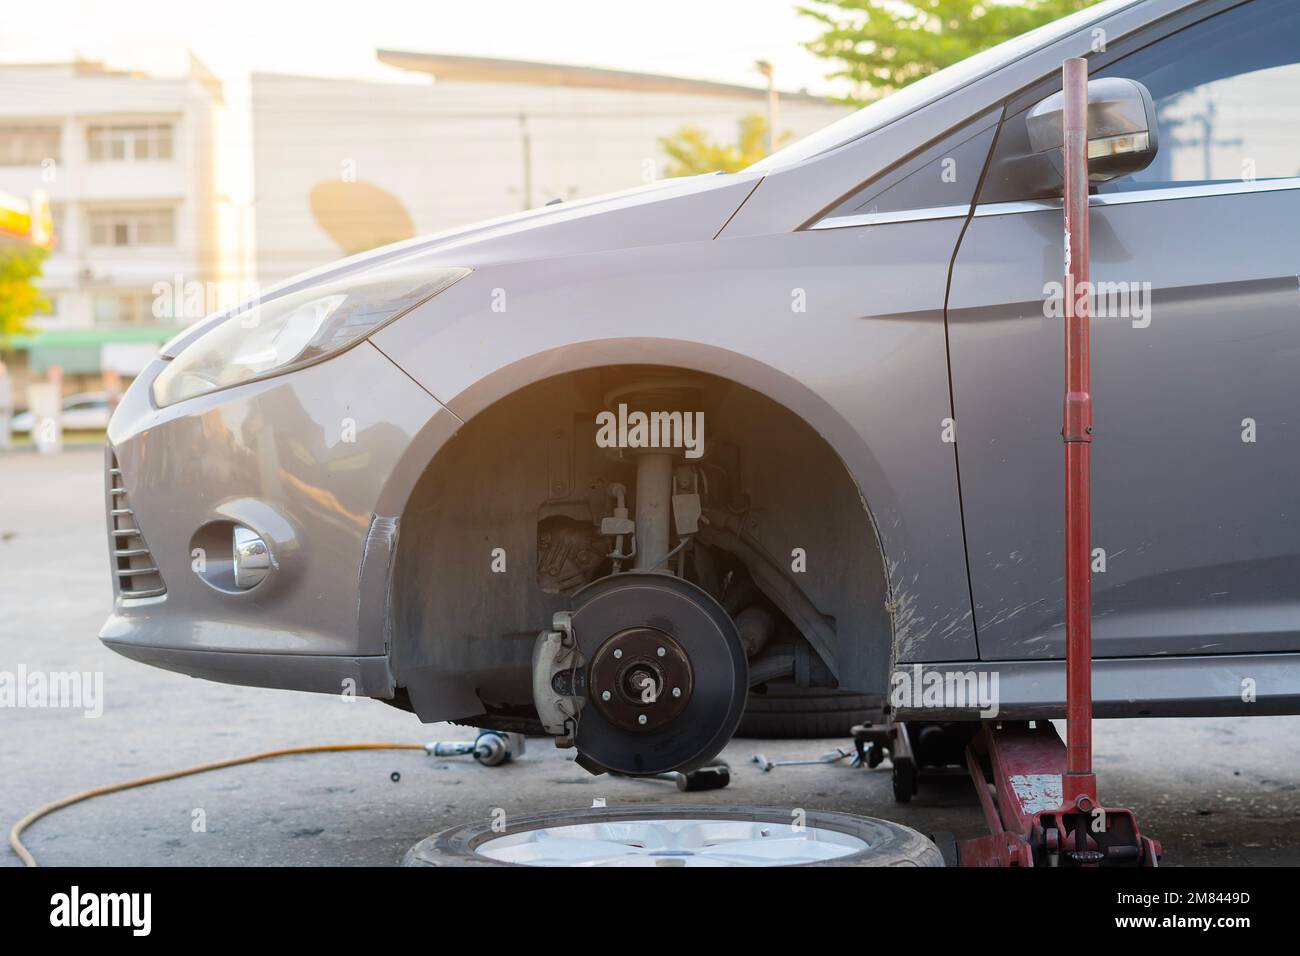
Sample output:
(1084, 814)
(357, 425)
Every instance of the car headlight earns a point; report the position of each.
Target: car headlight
(296, 329)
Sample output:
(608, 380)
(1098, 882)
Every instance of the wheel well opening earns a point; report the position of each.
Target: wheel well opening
(521, 508)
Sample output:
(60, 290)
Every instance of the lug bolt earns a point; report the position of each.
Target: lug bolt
(677, 692)
(604, 695)
(661, 652)
(640, 719)
(617, 653)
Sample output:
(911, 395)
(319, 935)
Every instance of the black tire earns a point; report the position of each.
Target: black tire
(891, 844)
(904, 781)
(787, 712)
(947, 844)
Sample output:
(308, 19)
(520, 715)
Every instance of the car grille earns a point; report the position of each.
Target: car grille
(137, 574)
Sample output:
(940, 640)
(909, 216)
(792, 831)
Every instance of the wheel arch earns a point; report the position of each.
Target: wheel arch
(874, 495)
(852, 449)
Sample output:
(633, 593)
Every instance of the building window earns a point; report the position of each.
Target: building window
(58, 223)
(129, 143)
(132, 227)
(29, 145)
(122, 308)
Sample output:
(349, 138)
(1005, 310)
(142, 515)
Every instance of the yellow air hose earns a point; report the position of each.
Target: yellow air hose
(15, 834)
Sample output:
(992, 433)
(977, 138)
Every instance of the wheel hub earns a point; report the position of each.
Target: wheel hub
(640, 680)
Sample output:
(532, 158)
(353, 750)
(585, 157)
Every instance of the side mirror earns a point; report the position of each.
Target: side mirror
(1122, 135)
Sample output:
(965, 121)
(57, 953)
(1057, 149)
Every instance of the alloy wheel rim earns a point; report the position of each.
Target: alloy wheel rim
(673, 842)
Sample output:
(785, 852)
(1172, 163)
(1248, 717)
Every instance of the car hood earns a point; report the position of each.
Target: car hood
(667, 211)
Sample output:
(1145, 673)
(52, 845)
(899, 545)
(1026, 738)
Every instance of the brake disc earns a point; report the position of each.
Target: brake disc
(666, 674)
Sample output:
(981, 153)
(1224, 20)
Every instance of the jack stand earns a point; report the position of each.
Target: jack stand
(918, 751)
(1029, 819)
(874, 742)
(1047, 812)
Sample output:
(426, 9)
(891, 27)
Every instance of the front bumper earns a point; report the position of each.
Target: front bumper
(316, 462)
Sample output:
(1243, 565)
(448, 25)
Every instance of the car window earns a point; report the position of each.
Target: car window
(1227, 98)
(944, 175)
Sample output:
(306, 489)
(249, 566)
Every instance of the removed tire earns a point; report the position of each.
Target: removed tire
(787, 712)
(678, 836)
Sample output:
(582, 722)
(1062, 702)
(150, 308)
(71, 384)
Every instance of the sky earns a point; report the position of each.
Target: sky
(707, 39)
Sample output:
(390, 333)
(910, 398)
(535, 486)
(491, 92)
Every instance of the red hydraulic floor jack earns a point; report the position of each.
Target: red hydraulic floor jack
(1046, 811)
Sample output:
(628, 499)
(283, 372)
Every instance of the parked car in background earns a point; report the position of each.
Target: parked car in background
(86, 411)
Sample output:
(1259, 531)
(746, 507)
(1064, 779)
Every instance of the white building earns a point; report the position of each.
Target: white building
(343, 165)
(129, 164)
(135, 168)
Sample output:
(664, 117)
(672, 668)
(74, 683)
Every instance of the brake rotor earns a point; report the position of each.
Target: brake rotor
(666, 676)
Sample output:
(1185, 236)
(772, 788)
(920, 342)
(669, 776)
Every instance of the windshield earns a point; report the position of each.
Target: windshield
(911, 97)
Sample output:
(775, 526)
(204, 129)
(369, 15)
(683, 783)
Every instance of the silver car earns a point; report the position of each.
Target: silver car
(599, 469)
(84, 411)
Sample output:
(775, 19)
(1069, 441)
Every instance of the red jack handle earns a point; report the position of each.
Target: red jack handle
(1080, 783)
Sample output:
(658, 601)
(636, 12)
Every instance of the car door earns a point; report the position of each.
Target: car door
(1195, 364)
(890, 359)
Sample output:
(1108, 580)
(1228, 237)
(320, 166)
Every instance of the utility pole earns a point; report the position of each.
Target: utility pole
(1208, 142)
(528, 160)
(773, 105)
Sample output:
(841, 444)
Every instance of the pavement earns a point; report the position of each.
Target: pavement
(1214, 791)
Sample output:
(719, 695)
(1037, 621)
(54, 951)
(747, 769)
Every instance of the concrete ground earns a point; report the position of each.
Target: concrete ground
(1223, 791)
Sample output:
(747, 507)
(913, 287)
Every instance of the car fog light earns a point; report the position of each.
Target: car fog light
(252, 558)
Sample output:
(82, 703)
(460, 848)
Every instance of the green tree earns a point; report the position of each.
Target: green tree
(883, 45)
(20, 298)
(691, 151)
